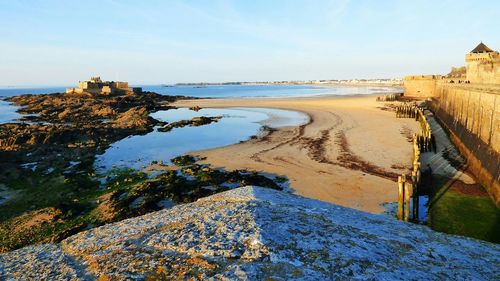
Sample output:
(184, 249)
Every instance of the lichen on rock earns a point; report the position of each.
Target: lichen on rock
(257, 233)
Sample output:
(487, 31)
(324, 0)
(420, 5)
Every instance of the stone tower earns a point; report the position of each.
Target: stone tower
(483, 65)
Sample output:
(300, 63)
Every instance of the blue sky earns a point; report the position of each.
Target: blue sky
(149, 42)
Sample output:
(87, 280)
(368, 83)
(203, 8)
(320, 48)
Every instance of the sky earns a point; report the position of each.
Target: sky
(57, 43)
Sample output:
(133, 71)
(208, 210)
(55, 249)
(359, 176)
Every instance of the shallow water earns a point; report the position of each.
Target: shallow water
(237, 124)
(8, 112)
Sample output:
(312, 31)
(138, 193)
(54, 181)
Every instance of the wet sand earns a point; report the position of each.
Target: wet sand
(349, 154)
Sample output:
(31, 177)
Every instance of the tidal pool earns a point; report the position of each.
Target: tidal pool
(237, 124)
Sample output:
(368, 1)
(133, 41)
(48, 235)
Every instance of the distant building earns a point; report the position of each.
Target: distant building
(95, 86)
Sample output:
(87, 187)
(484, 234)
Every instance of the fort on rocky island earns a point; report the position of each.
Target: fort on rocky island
(467, 102)
(95, 86)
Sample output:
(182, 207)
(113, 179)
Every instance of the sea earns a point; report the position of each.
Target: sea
(229, 91)
(238, 124)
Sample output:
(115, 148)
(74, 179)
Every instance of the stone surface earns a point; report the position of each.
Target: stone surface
(257, 233)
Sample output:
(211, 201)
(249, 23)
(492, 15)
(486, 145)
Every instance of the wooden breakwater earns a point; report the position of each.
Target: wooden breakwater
(424, 141)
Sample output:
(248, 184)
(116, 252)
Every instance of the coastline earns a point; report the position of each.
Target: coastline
(332, 158)
(296, 83)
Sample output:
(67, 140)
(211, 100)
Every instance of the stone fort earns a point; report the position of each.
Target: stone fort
(467, 102)
(95, 86)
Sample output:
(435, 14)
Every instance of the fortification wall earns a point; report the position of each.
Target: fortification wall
(120, 85)
(470, 109)
(476, 107)
(471, 113)
(421, 86)
(483, 68)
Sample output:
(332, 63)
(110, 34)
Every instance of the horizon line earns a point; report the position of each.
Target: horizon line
(35, 86)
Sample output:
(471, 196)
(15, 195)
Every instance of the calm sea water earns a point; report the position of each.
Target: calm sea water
(237, 124)
(8, 112)
(229, 91)
(9, 92)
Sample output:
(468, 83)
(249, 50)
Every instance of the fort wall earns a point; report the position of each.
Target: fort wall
(120, 85)
(471, 113)
(483, 68)
(420, 86)
(95, 86)
(468, 105)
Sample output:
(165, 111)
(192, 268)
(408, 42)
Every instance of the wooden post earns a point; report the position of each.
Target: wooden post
(418, 174)
(407, 194)
(429, 136)
(415, 195)
(416, 199)
(400, 198)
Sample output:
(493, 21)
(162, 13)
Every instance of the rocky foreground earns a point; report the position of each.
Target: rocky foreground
(256, 233)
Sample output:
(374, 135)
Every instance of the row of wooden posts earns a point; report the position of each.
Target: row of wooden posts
(409, 188)
(425, 139)
(407, 110)
(422, 142)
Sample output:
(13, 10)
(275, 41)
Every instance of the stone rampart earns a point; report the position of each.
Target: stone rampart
(420, 86)
(471, 113)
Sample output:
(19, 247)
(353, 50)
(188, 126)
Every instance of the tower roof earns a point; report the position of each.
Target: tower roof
(481, 48)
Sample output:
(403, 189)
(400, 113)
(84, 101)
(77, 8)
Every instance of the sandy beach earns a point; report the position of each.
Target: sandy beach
(349, 154)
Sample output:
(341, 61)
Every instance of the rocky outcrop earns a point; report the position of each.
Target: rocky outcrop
(63, 108)
(61, 125)
(67, 119)
(136, 117)
(257, 233)
(194, 122)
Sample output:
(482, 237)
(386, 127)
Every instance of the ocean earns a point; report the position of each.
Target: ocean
(229, 91)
